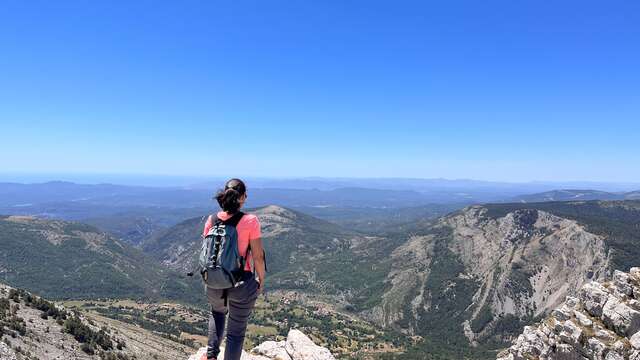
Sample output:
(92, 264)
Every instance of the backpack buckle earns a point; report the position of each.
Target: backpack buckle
(219, 230)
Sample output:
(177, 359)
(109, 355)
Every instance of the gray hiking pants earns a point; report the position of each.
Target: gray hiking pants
(238, 302)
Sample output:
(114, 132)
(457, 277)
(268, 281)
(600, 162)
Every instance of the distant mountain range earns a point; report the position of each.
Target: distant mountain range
(577, 195)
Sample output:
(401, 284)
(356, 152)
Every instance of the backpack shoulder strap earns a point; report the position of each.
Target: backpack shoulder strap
(235, 219)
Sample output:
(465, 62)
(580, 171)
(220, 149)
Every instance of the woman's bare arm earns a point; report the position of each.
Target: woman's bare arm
(257, 252)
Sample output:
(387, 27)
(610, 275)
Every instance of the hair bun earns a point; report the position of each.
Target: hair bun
(229, 197)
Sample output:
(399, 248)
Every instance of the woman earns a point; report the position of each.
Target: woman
(238, 302)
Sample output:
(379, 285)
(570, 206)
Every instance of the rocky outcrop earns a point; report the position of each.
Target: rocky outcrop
(601, 323)
(519, 265)
(6, 353)
(297, 347)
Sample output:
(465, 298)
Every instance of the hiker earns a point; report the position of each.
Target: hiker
(233, 268)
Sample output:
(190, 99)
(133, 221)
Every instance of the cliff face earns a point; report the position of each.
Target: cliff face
(488, 270)
(297, 347)
(602, 322)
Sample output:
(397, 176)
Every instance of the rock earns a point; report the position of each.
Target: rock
(635, 341)
(571, 333)
(300, 347)
(197, 356)
(245, 356)
(596, 347)
(582, 318)
(562, 313)
(6, 353)
(620, 347)
(566, 352)
(604, 334)
(634, 275)
(272, 349)
(612, 355)
(593, 297)
(603, 323)
(621, 283)
(620, 317)
(572, 302)
(297, 347)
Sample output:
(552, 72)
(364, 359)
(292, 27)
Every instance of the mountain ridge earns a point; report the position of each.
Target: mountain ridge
(61, 259)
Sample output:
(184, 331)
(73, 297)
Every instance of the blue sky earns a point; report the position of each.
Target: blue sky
(494, 90)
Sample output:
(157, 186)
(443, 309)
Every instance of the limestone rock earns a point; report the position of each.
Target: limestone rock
(619, 316)
(612, 355)
(6, 353)
(297, 347)
(272, 349)
(603, 323)
(593, 297)
(583, 319)
(635, 341)
(567, 352)
(621, 283)
(300, 347)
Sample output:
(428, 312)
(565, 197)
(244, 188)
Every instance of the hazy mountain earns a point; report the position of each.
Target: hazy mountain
(576, 195)
(570, 195)
(60, 259)
(378, 220)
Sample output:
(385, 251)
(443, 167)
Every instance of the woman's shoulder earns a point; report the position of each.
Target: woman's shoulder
(250, 218)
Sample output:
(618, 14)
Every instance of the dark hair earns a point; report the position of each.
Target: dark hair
(229, 197)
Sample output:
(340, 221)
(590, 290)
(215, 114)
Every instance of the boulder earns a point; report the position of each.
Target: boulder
(562, 313)
(582, 318)
(613, 355)
(571, 333)
(620, 317)
(596, 348)
(635, 341)
(297, 347)
(300, 347)
(201, 354)
(593, 297)
(273, 350)
(566, 352)
(621, 283)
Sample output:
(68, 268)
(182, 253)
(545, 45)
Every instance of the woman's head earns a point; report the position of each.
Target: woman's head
(233, 196)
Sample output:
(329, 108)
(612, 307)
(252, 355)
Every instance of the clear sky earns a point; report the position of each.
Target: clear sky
(495, 90)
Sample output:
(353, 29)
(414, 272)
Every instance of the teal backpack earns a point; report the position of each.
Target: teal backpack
(220, 263)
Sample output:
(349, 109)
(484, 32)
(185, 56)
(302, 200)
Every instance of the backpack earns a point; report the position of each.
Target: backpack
(221, 265)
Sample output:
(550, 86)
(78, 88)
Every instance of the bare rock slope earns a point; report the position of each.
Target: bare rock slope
(34, 328)
(297, 347)
(485, 270)
(602, 322)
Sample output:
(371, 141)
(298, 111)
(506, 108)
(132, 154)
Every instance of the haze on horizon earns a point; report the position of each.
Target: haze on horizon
(498, 90)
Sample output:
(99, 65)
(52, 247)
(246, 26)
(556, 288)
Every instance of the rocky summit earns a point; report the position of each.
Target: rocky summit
(297, 346)
(602, 322)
